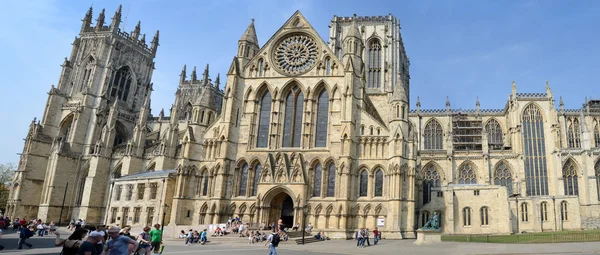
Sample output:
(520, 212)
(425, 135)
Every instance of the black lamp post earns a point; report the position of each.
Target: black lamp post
(165, 207)
(62, 207)
(303, 223)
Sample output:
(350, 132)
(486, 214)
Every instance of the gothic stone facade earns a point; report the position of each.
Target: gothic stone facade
(303, 129)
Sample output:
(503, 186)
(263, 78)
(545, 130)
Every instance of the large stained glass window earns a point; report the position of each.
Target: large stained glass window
(374, 68)
(431, 179)
(257, 173)
(317, 180)
(331, 180)
(364, 183)
(243, 180)
(494, 134)
(534, 148)
(573, 140)
(292, 124)
(322, 119)
(467, 175)
(570, 178)
(503, 177)
(379, 183)
(433, 136)
(264, 120)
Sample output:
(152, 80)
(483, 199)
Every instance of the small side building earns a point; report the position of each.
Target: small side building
(141, 199)
(469, 209)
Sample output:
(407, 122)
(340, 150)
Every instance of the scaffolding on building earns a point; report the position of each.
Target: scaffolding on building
(467, 132)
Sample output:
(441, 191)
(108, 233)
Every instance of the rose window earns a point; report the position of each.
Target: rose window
(296, 54)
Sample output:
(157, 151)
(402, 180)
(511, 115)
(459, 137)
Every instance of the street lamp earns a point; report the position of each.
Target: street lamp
(304, 209)
(165, 207)
(63, 204)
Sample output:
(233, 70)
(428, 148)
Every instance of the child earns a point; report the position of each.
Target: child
(251, 238)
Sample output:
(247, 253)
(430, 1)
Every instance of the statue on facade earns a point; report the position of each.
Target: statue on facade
(432, 224)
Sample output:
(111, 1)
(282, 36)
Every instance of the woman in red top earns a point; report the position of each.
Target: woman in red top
(376, 236)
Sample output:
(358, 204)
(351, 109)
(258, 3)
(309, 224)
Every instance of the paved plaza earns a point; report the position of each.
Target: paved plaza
(226, 246)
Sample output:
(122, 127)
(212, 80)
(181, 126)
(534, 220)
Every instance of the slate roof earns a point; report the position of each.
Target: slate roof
(148, 175)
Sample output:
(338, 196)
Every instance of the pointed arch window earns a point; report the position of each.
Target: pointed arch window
(257, 173)
(364, 183)
(424, 217)
(205, 185)
(431, 179)
(327, 66)
(564, 215)
(467, 175)
(81, 187)
(378, 183)
(503, 177)
(331, 180)
(467, 216)
(597, 171)
(186, 112)
(573, 140)
(292, 124)
(121, 84)
(317, 180)
(87, 73)
(494, 134)
(403, 112)
(374, 68)
(534, 148)
(261, 67)
(570, 178)
(243, 180)
(544, 211)
(322, 119)
(484, 215)
(596, 135)
(264, 119)
(525, 212)
(433, 136)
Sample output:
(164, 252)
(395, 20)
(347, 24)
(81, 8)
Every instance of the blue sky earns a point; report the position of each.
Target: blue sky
(459, 49)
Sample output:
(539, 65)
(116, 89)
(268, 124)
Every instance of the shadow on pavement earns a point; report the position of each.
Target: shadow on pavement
(11, 243)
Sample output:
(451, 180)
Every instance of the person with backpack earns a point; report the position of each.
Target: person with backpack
(273, 242)
(24, 234)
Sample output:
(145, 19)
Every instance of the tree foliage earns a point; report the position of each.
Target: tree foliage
(7, 173)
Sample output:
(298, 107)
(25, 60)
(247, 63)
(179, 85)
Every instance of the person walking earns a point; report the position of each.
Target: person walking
(273, 242)
(156, 238)
(359, 238)
(367, 236)
(118, 245)
(24, 234)
(376, 237)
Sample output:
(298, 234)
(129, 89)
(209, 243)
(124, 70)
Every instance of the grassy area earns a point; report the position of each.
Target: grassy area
(544, 237)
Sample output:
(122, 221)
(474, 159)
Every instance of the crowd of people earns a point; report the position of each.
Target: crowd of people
(362, 236)
(89, 240)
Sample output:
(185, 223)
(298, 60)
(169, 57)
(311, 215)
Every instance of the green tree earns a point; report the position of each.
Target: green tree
(7, 173)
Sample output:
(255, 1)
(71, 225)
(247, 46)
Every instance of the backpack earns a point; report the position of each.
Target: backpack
(276, 240)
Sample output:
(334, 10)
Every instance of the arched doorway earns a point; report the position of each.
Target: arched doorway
(282, 207)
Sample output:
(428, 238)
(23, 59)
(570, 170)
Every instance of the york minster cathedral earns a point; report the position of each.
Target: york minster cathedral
(304, 130)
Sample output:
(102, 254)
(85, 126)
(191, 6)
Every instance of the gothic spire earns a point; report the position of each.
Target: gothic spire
(87, 20)
(354, 31)
(136, 31)
(561, 104)
(514, 89)
(143, 40)
(116, 20)
(205, 75)
(154, 44)
(100, 21)
(182, 76)
(194, 76)
(548, 90)
(250, 34)
(447, 104)
(477, 105)
(218, 81)
(418, 104)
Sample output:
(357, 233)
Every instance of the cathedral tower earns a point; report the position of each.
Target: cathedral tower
(95, 111)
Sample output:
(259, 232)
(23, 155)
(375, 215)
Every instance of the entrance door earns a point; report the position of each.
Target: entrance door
(282, 207)
(287, 212)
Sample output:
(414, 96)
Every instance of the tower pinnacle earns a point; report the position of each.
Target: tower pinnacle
(116, 20)
(100, 21)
